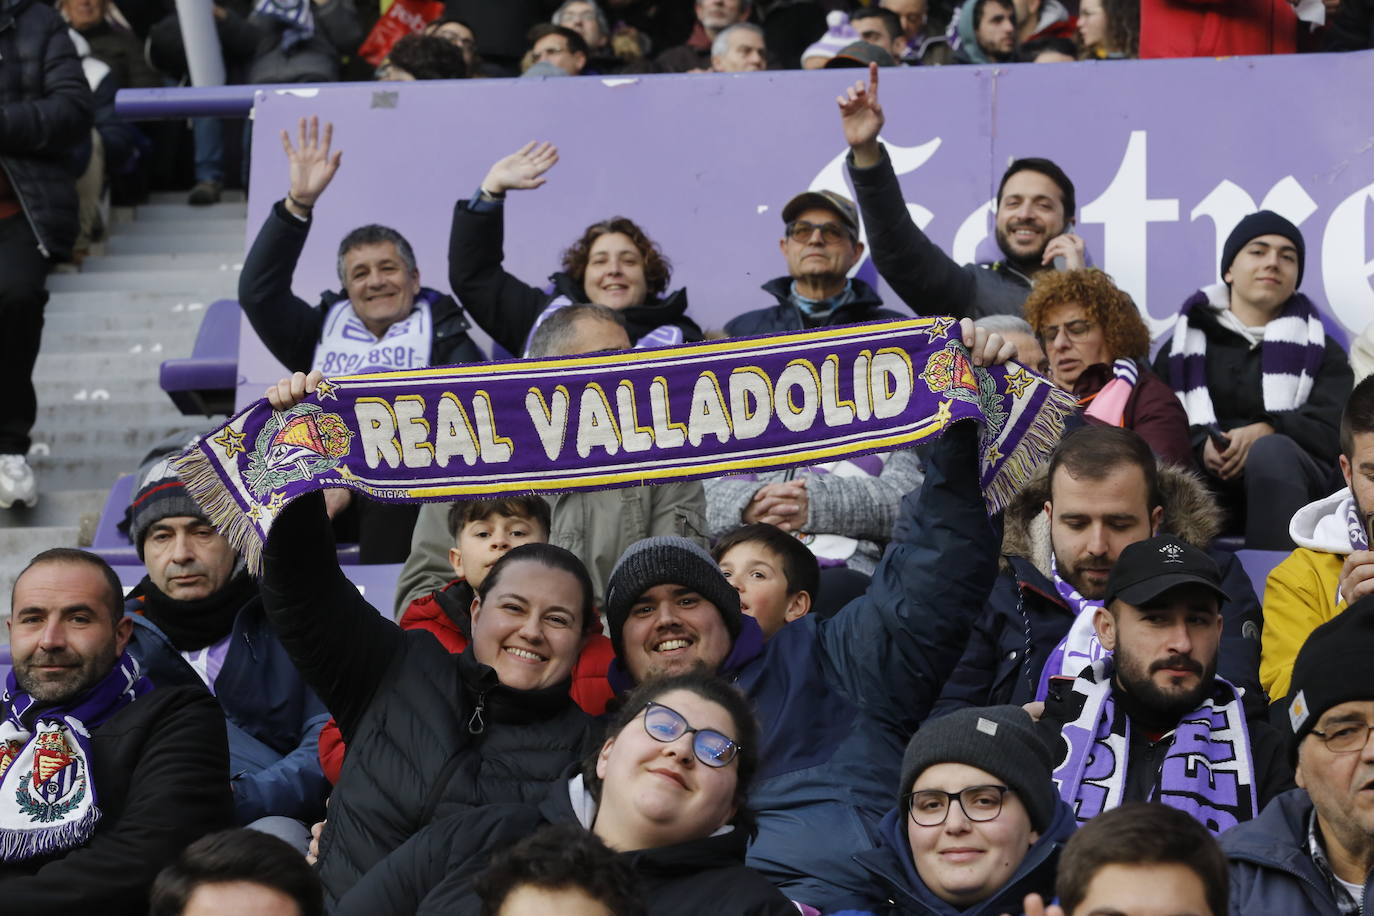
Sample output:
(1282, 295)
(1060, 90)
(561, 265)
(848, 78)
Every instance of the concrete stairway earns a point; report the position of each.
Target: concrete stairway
(136, 301)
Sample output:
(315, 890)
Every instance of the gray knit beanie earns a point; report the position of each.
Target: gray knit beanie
(160, 494)
(998, 739)
(666, 561)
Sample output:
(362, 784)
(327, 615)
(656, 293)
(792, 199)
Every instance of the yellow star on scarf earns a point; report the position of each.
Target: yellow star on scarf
(992, 455)
(325, 390)
(231, 442)
(345, 473)
(1018, 382)
(254, 512)
(942, 415)
(275, 504)
(940, 327)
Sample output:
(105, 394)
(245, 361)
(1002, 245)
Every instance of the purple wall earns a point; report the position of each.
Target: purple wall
(1166, 157)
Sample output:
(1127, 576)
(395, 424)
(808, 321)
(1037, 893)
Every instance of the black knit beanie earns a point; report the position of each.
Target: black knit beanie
(1332, 668)
(1265, 222)
(160, 494)
(666, 561)
(998, 739)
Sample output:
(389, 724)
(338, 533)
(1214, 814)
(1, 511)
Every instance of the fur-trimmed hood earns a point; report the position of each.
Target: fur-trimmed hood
(1190, 512)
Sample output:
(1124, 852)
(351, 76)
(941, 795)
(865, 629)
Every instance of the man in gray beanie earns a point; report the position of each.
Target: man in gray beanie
(1261, 381)
(836, 699)
(198, 621)
(978, 823)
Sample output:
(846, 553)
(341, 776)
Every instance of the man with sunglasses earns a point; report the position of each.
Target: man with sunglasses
(820, 244)
(837, 699)
(978, 824)
(1311, 850)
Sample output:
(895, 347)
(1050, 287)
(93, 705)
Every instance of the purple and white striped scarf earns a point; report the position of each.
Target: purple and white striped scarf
(1080, 647)
(1208, 771)
(1290, 356)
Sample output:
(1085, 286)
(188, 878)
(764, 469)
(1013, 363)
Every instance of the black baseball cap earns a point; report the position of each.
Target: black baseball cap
(1149, 568)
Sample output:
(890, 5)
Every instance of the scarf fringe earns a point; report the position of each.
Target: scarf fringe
(202, 479)
(18, 845)
(1032, 450)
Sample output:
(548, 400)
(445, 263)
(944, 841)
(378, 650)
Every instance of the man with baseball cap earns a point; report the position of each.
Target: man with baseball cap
(837, 699)
(198, 621)
(1152, 721)
(1311, 850)
(846, 511)
(1261, 381)
(978, 823)
(820, 244)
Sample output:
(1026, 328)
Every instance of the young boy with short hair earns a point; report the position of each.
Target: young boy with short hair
(776, 575)
(483, 531)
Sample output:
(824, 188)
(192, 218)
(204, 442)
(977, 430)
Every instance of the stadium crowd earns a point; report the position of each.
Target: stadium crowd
(842, 689)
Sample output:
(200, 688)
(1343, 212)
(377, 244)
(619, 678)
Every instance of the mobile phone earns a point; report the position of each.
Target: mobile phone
(1058, 688)
(1061, 262)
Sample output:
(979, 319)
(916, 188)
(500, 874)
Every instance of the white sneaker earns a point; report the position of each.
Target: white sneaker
(16, 482)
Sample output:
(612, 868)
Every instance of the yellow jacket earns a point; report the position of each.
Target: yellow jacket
(1301, 592)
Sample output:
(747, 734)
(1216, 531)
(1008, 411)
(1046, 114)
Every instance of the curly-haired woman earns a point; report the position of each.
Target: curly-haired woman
(1097, 346)
(613, 264)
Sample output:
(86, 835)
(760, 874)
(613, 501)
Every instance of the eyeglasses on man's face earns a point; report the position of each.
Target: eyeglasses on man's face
(930, 807)
(1345, 737)
(801, 231)
(663, 723)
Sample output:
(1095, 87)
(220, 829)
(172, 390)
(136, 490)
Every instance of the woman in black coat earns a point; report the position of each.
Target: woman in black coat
(668, 791)
(614, 264)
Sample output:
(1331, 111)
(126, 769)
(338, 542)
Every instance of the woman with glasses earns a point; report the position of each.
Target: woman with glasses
(978, 825)
(614, 263)
(668, 791)
(1097, 346)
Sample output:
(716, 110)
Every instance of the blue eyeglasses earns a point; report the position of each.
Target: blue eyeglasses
(663, 723)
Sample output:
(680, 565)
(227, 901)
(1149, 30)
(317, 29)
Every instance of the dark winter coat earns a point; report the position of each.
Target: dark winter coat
(507, 308)
(785, 316)
(902, 892)
(46, 112)
(432, 874)
(161, 773)
(273, 718)
(429, 733)
(1024, 617)
(1152, 411)
(1272, 873)
(1235, 383)
(291, 329)
(838, 699)
(923, 276)
(318, 59)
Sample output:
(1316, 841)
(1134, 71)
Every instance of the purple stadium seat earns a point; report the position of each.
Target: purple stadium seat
(1257, 565)
(204, 383)
(109, 542)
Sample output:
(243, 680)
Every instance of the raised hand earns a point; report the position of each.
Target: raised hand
(312, 166)
(1067, 246)
(290, 391)
(862, 118)
(985, 348)
(522, 169)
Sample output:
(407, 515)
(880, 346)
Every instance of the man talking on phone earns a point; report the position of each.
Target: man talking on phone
(1333, 566)
(1035, 209)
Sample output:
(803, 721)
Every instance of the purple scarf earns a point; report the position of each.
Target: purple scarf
(622, 419)
(1208, 770)
(48, 802)
(1080, 646)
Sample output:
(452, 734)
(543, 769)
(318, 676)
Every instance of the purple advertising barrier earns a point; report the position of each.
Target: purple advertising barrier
(1166, 156)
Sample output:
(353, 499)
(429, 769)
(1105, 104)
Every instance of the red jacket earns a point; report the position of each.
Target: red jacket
(589, 689)
(1216, 28)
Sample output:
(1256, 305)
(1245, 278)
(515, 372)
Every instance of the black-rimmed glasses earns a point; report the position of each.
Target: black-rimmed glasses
(663, 723)
(930, 807)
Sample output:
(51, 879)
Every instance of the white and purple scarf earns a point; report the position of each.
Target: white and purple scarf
(48, 801)
(1109, 404)
(297, 16)
(665, 335)
(1208, 771)
(1080, 647)
(1290, 357)
(1354, 524)
(347, 347)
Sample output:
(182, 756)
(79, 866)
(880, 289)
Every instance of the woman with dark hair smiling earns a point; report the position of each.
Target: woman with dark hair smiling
(1097, 345)
(668, 791)
(614, 264)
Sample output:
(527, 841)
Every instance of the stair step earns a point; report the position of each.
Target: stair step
(179, 197)
(120, 391)
(18, 546)
(100, 368)
(229, 245)
(161, 262)
(165, 341)
(224, 211)
(204, 284)
(97, 322)
(131, 302)
(230, 230)
(55, 416)
(56, 508)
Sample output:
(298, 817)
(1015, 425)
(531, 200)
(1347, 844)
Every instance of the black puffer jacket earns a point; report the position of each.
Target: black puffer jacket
(46, 112)
(508, 308)
(429, 734)
(432, 874)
